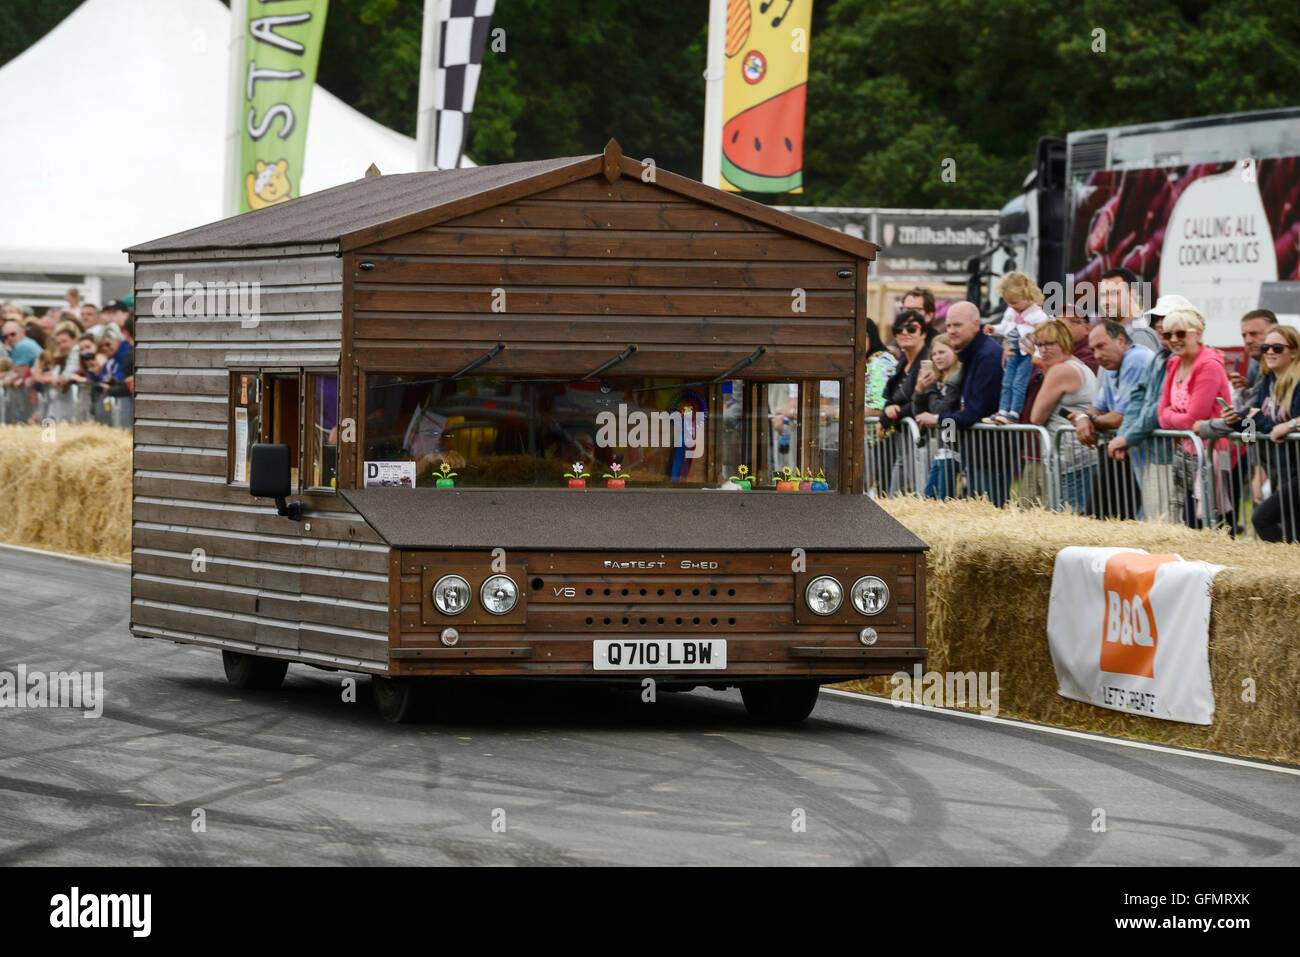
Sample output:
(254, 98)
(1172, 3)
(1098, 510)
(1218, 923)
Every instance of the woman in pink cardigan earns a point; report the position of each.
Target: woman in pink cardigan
(1194, 379)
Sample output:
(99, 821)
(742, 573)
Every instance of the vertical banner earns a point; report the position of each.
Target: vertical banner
(455, 38)
(765, 88)
(281, 49)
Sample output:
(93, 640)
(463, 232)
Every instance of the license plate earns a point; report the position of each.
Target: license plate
(661, 654)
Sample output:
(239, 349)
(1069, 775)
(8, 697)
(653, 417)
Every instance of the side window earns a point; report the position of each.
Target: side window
(246, 421)
(323, 438)
(280, 409)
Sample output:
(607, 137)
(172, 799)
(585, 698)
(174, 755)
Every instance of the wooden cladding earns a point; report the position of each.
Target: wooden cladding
(564, 274)
(753, 600)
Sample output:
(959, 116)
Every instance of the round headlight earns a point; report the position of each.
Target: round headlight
(869, 595)
(824, 595)
(499, 595)
(451, 594)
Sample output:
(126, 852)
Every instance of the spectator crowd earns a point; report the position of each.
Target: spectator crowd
(75, 363)
(1102, 387)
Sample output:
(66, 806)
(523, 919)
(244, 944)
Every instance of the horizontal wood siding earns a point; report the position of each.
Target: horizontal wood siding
(752, 600)
(593, 266)
(260, 583)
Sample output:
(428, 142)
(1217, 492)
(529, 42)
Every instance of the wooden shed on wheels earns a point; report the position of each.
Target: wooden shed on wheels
(436, 365)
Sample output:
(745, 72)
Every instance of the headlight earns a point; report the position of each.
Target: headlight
(824, 595)
(499, 595)
(869, 595)
(451, 594)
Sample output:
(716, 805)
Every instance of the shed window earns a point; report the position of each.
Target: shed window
(323, 444)
(282, 424)
(246, 421)
(660, 431)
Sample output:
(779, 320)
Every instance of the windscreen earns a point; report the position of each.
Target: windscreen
(616, 431)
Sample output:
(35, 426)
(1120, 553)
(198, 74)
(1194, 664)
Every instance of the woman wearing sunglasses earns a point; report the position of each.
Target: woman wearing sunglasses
(1069, 388)
(912, 334)
(1195, 379)
(1277, 518)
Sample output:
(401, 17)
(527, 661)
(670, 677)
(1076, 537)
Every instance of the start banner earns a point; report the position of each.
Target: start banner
(1130, 631)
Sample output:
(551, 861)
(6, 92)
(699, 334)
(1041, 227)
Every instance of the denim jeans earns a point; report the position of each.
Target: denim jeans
(942, 480)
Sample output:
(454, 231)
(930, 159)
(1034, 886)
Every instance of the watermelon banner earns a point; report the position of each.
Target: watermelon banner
(765, 87)
(282, 44)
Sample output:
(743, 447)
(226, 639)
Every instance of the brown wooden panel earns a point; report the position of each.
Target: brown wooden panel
(231, 304)
(264, 547)
(268, 331)
(270, 272)
(215, 626)
(663, 330)
(316, 505)
(523, 358)
(556, 214)
(184, 434)
(610, 244)
(343, 646)
(187, 462)
(152, 406)
(556, 272)
(148, 380)
(633, 619)
(523, 302)
(220, 568)
(595, 189)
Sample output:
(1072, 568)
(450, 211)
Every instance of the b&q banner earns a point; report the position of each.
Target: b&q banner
(763, 95)
(1130, 631)
(281, 50)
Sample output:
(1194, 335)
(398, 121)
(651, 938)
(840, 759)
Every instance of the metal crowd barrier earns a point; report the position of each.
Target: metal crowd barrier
(20, 405)
(1256, 488)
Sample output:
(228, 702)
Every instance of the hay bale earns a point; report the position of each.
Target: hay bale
(68, 489)
(988, 585)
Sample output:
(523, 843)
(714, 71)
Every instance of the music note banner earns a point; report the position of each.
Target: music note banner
(765, 89)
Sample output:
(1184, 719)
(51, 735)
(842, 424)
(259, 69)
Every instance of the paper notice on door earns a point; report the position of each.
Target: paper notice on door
(241, 445)
(396, 474)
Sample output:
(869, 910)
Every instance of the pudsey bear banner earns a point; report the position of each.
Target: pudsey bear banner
(1130, 631)
(281, 49)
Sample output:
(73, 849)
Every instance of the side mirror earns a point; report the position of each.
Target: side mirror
(269, 477)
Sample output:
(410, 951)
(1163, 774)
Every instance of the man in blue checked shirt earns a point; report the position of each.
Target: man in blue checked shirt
(1116, 493)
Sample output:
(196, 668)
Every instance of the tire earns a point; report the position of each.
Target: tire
(253, 672)
(400, 700)
(780, 702)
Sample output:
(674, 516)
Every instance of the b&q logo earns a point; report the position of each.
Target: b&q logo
(1129, 634)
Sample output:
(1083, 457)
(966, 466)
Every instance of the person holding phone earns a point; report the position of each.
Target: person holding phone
(1277, 417)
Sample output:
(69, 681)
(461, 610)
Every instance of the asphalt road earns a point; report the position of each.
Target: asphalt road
(526, 776)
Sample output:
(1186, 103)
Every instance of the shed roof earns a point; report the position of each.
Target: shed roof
(564, 519)
(378, 207)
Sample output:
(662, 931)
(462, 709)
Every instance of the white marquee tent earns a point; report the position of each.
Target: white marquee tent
(113, 129)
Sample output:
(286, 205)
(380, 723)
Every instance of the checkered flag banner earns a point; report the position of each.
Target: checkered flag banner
(462, 39)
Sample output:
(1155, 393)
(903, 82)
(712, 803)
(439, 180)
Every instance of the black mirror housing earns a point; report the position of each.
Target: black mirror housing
(268, 471)
(269, 477)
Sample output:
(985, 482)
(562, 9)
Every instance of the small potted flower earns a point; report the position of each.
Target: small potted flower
(805, 477)
(577, 478)
(819, 483)
(743, 479)
(446, 477)
(615, 480)
(789, 482)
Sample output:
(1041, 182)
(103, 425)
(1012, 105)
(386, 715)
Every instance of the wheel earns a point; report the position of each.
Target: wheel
(400, 700)
(253, 672)
(780, 702)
